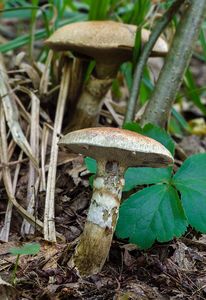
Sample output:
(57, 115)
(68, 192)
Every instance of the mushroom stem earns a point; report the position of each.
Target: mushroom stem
(89, 103)
(106, 70)
(95, 241)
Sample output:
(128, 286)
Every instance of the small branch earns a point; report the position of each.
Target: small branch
(159, 106)
(158, 29)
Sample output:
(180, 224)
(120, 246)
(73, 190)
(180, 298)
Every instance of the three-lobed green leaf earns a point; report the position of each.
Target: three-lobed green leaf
(140, 176)
(154, 213)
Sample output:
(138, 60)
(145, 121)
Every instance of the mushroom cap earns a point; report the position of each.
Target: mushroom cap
(108, 40)
(113, 144)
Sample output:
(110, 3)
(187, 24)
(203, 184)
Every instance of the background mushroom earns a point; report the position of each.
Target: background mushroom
(115, 150)
(110, 44)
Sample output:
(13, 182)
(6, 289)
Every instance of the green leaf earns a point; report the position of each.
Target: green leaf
(174, 127)
(181, 120)
(133, 127)
(203, 41)
(154, 213)
(146, 87)
(139, 176)
(27, 249)
(160, 135)
(91, 164)
(190, 180)
(137, 46)
(98, 10)
(126, 70)
(136, 15)
(192, 91)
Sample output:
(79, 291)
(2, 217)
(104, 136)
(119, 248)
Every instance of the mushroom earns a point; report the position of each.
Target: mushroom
(115, 150)
(110, 44)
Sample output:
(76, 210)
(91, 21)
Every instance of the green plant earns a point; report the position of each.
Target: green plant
(27, 249)
(164, 209)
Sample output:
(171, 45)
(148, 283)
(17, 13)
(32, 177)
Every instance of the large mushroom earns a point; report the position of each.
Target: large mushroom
(115, 150)
(110, 44)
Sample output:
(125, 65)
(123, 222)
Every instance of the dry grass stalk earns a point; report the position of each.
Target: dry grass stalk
(49, 221)
(115, 116)
(4, 234)
(8, 182)
(33, 177)
(7, 175)
(44, 142)
(11, 148)
(11, 114)
(44, 82)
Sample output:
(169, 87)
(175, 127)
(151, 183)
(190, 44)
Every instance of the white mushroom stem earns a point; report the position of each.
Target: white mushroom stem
(95, 241)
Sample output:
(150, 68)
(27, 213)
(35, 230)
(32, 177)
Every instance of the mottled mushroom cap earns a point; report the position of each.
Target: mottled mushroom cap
(108, 40)
(113, 144)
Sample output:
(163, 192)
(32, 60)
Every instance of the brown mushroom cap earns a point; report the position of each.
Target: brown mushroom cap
(108, 40)
(113, 144)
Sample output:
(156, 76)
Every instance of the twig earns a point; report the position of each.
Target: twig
(158, 29)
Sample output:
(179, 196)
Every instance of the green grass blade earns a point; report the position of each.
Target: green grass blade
(138, 12)
(203, 42)
(191, 91)
(32, 27)
(99, 9)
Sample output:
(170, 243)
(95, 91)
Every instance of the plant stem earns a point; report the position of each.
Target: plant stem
(159, 106)
(13, 280)
(158, 29)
